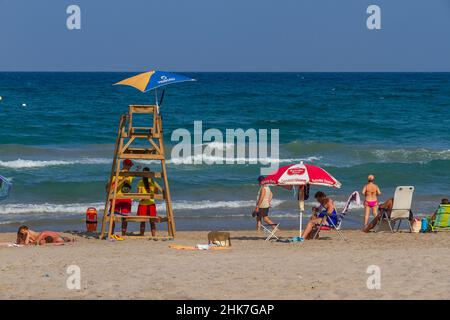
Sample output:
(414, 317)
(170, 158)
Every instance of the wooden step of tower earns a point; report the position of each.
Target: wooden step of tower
(142, 156)
(138, 196)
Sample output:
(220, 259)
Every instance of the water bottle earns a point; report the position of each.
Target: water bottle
(424, 225)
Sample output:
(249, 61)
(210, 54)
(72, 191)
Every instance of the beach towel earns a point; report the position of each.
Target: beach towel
(199, 247)
(353, 197)
(11, 245)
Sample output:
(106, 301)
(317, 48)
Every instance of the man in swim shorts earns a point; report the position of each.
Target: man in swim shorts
(371, 193)
(263, 202)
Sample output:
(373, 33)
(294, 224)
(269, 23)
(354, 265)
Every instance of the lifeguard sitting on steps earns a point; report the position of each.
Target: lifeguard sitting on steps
(147, 207)
(123, 206)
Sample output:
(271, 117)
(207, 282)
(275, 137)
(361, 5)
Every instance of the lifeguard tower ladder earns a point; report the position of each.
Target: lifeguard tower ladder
(140, 143)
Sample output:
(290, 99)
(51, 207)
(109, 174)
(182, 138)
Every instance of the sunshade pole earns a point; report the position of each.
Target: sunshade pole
(301, 207)
(156, 100)
(162, 97)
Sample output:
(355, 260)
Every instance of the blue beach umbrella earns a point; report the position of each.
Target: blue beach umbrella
(152, 80)
(5, 188)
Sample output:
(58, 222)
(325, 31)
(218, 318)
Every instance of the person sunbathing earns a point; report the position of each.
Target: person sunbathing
(26, 236)
(50, 237)
(385, 206)
(326, 208)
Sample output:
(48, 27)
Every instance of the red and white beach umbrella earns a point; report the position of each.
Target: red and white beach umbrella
(301, 174)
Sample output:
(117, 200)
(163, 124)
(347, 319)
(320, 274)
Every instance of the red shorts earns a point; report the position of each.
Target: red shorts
(146, 210)
(123, 206)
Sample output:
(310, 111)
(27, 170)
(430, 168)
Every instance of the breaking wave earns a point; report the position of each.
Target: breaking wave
(21, 163)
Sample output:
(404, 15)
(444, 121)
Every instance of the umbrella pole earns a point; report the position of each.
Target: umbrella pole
(156, 101)
(301, 207)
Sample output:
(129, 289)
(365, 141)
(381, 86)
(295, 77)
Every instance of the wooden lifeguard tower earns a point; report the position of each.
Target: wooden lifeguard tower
(139, 143)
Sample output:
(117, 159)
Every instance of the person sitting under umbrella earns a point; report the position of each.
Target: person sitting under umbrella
(326, 208)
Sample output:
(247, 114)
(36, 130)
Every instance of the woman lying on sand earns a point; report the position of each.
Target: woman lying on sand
(27, 236)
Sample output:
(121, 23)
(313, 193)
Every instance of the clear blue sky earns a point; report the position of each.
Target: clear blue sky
(225, 35)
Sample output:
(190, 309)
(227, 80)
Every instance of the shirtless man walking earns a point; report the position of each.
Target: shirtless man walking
(371, 193)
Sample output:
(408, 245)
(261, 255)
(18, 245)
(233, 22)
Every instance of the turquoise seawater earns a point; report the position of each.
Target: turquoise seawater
(58, 129)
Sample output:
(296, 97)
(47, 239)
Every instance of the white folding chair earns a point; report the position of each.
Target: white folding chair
(270, 230)
(401, 209)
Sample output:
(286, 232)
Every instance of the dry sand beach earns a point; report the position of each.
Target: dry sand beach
(413, 266)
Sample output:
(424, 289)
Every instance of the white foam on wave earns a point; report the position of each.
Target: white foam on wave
(341, 204)
(206, 159)
(208, 204)
(219, 145)
(22, 163)
(73, 208)
(41, 208)
(203, 159)
(421, 155)
(191, 160)
(80, 208)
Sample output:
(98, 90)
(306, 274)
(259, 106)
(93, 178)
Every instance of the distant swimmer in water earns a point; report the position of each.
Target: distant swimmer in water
(27, 236)
(371, 193)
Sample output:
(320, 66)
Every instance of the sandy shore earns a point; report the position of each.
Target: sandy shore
(414, 266)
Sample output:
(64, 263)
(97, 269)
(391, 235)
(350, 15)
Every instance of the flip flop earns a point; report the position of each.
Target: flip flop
(297, 239)
(117, 237)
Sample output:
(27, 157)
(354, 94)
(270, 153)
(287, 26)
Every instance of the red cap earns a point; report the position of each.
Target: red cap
(128, 162)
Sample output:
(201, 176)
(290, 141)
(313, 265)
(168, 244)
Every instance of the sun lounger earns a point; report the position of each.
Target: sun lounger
(270, 230)
(354, 197)
(401, 209)
(442, 219)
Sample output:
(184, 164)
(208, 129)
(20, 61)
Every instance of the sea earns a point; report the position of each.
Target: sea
(58, 130)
